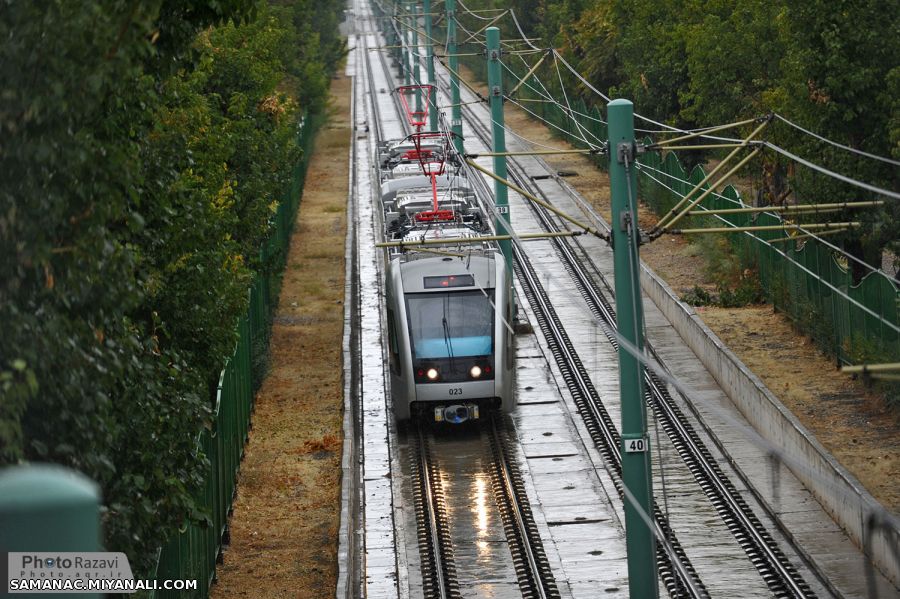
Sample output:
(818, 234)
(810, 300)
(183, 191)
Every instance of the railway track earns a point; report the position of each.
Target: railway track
(535, 577)
(439, 580)
(438, 568)
(676, 572)
(678, 576)
(780, 575)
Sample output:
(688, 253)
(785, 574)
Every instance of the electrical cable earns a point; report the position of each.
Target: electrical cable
(832, 174)
(835, 144)
(739, 204)
(754, 437)
(548, 123)
(568, 107)
(784, 254)
(636, 307)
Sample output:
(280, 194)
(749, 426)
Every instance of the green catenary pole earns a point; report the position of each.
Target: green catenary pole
(393, 27)
(429, 45)
(456, 109)
(640, 544)
(417, 69)
(404, 30)
(495, 90)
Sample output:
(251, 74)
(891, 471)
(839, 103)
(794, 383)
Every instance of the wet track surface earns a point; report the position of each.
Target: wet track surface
(480, 548)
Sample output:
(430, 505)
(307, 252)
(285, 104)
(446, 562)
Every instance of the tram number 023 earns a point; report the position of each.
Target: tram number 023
(635, 445)
(456, 391)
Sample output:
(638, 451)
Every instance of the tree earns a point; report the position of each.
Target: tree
(144, 147)
(838, 71)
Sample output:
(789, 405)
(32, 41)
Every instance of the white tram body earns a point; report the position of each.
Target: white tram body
(449, 310)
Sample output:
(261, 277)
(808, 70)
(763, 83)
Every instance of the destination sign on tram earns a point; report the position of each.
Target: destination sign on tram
(449, 281)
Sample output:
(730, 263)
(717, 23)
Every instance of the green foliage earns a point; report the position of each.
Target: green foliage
(831, 67)
(732, 55)
(144, 148)
(745, 292)
(698, 296)
(839, 58)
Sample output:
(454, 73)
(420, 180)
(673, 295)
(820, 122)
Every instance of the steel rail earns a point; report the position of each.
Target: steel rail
(432, 531)
(535, 576)
(762, 550)
(778, 573)
(678, 575)
(533, 571)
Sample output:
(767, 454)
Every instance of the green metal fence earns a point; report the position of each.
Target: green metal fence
(193, 553)
(806, 279)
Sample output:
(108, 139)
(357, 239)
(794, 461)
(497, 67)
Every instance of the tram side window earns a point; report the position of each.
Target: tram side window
(392, 343)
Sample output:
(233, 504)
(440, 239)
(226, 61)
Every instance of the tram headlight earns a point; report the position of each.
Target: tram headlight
(432, 374)
(475, 371)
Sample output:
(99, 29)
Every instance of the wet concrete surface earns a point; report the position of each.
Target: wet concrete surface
(483, 562)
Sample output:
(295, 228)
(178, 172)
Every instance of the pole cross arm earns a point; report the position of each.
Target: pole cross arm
(669, 220)
(797, 227)
(865, 368)
(473, 240)
(584, 226)
(792, 208)
(538, 152)
(513, 91)
(807, 235)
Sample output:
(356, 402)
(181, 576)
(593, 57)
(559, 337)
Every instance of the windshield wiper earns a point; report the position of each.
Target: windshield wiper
(447, 337)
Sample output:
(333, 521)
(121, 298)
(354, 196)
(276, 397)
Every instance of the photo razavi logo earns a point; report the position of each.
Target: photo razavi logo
(42, 572)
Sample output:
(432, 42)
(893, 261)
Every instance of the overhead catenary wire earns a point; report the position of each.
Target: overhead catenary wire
(486, 25)
(662, 540)
(474, 12)
(506, 128)
(751, 429)
(565, 107)
(834, 143)
(644, 168)
(585, 227)
(673, 215)
(705, 131)
(666, 127)
(664, 144)
(790, 259)
(546, 96)
(568, 108)
(832, 174)
(550, 124)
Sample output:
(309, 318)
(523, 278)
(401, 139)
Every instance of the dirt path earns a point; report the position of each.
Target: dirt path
(853, 424)
(285, 521)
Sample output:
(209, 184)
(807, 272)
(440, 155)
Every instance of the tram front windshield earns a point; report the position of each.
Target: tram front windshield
(450, 325)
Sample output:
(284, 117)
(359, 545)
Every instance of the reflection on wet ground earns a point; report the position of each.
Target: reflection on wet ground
(483, 562)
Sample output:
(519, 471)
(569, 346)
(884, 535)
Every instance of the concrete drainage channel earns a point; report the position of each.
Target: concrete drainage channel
(859, 514)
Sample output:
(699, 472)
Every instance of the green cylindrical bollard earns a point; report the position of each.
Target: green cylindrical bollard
(44, 507)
